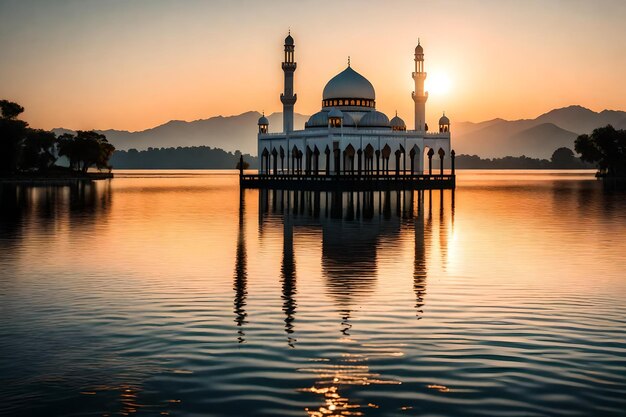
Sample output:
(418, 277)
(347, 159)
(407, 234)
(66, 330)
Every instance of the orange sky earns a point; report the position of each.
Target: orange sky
(134, 65)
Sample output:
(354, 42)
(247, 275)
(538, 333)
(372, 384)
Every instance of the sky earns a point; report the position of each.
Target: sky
(135, 64)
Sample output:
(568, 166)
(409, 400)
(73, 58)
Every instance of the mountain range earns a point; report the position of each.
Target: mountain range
(536, 138)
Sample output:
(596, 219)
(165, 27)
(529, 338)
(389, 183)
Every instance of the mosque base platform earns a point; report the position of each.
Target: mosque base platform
(348, 182)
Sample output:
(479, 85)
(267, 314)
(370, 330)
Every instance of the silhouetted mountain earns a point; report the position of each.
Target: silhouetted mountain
(536, 138)
(580, 119)
(229, 133)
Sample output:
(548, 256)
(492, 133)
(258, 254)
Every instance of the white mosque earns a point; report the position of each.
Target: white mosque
(348, 136)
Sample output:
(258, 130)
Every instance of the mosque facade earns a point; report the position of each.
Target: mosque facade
(348, 136)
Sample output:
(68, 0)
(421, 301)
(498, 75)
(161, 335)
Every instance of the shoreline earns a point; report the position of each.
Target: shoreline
(55, 178)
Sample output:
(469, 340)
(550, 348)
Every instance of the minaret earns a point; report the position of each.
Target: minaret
(288, 98)
(419, 95)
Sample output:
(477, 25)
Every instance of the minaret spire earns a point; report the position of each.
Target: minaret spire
(419, 95)
(288, 98)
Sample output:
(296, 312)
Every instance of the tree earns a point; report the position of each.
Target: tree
(12, 135)
(86, 149)
(563, 158)
(10, 110)
(605, 147)
(38, 150)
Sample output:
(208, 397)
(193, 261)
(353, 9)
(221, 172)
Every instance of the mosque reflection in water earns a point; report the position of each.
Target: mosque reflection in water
(353, 227)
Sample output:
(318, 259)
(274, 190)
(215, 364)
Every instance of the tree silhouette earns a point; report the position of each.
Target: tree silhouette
(38, 150)
(86, 149)
(563, 158)
(10, 110)
(12, 136)
(605, 147)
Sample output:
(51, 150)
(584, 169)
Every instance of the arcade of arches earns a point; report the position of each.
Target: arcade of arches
(351, 161)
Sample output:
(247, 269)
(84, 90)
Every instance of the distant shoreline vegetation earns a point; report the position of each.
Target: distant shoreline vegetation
(194, 157)
(562, 158)
(204, 157)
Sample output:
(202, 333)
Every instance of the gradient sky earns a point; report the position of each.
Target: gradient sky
(88, 64)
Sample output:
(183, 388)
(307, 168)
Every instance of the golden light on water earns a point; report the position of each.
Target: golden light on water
(355, 301)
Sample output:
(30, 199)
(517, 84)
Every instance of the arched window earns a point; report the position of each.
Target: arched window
(352, 102)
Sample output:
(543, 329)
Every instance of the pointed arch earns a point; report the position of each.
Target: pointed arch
(428, 156)
(308, 164)
(274, 161)
(442, 154)
(415, 155)
(282, 159)
(316, 160)
(294, 159)
(265, 161)
(386, 151)
(348, 159)
(369, 158)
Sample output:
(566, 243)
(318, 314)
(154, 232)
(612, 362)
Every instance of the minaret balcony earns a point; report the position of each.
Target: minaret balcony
(419, 98)
(288, 99)
(289, 66)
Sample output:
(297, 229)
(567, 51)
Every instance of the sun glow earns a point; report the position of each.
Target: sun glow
(438, 83)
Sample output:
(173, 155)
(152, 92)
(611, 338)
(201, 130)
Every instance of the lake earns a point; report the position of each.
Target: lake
(172, 293)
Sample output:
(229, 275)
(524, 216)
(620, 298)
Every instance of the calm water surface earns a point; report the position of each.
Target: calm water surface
(170, 293)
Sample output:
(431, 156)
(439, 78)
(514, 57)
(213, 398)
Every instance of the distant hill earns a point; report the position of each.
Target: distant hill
(230, 133)
(536, 138)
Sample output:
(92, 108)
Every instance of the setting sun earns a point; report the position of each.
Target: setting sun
(438, 83)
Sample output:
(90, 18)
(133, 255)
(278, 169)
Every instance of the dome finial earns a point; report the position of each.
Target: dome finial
(348, 60)
(289, 30)
(396, 113)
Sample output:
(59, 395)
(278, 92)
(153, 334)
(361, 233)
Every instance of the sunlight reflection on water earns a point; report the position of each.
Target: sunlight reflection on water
(173, 293)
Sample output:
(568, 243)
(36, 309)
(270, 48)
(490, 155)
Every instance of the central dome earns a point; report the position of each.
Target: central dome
(349, 84)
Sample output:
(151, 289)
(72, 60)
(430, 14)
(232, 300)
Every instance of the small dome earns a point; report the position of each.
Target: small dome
(289, 40)
(263, 121)
(397, 122)
(349, 84)
(335, 112)
(374, 119)
(444, 120)
(418, 49)
(319, 119)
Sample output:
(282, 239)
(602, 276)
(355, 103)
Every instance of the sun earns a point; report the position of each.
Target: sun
(438, 83)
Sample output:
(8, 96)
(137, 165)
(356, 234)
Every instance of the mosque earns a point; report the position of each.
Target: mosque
(348, 136)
